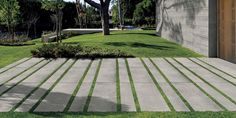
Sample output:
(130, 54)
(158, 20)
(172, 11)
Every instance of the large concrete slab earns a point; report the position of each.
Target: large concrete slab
(21, 77)
(197, 99)
(104, 97)
(127, 99)
(214, 80)
(82, 95)
(211, 91)
(58, 98)
(33, 99)
(221, 64)
(104, 94)
(150, 99)
(25, 87)
(174, 99)
(9, 74)
(12, 65)
(220, 73)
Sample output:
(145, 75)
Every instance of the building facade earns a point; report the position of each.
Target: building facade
(205, 26)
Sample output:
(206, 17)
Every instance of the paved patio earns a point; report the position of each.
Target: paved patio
(111, 85)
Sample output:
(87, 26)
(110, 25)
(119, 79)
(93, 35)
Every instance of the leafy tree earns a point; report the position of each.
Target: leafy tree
(103, 7)
(55, 6)
(30, 13)
(145, 12)
(9, 12)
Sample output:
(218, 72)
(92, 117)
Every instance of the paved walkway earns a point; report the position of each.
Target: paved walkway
(112, 85)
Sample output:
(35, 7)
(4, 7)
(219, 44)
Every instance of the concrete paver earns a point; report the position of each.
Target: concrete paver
(150, 99)
(82, 95)
(17, 80)
(127, 99)
(104, 94)
(197, 99)
(24, 88)
(58, 98)
(211, 91)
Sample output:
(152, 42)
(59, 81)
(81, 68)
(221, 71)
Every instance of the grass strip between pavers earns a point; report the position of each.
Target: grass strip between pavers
(118, 97)
(138, 108)
(177, 92)
(36, 88)
(208, 95)
(216, 68)
(77, 88)
(158, 86)
(234, 84)
(15, 65)
(86, 106)
(50, 89)
(226, 96)
(25, 77)
(20, 73)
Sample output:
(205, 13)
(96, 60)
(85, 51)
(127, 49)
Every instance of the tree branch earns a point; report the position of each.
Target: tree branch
(93, 4)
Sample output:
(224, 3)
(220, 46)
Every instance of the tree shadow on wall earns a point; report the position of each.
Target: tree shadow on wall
(191, 9)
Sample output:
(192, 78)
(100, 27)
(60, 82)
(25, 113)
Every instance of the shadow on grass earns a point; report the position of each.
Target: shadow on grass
(138, 33)
(140, 45)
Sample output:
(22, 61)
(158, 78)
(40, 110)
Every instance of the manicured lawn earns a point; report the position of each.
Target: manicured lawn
(9, 54)
(123, 115)
(136, 43)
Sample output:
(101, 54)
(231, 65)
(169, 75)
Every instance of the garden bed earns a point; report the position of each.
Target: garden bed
(76, 51)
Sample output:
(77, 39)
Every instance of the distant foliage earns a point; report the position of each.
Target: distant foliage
(136, 12)
(144, 13)
(9, 15)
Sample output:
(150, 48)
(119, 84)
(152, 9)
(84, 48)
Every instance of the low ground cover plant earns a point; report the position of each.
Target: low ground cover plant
(76, 51)
(19, 40)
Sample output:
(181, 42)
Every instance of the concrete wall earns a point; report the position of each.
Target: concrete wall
(191, 23)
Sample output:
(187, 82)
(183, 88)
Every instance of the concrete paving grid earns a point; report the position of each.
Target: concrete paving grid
(118, 85)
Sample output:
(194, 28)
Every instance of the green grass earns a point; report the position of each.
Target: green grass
(10, 54)
(123, 115)
(136, 43)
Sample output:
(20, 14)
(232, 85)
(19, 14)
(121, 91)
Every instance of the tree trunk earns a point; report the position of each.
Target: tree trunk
(35, 30)
(159, 16)
(105, 20)
(57, 25)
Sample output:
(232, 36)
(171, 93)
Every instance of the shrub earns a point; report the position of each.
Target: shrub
(76, 51)
(19, 40)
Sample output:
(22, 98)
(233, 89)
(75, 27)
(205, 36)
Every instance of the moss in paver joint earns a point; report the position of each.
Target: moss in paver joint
(136, 101)
(213, 72)
(36, 88)
(201, 89)
(86, 106)
(226, 96)
(49, 90)
(158, 87)
(177, 92)
(118, 87)
(216, 68)
(15, 65)
(20, 73)
(77, 88)
(25, 77)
